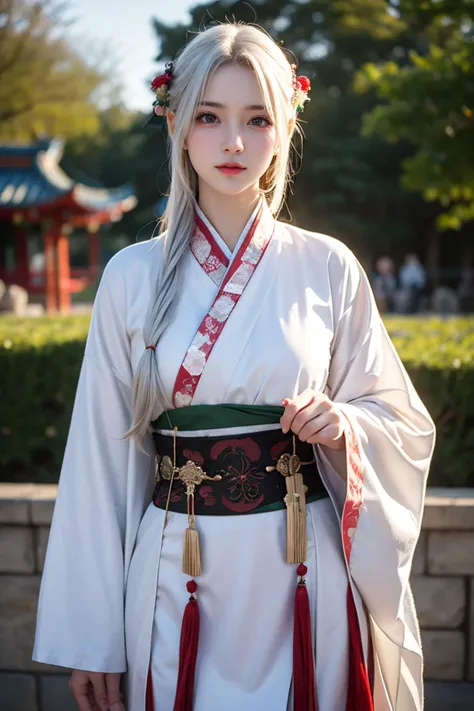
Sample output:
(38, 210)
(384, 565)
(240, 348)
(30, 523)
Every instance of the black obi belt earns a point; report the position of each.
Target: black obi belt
(231, 474)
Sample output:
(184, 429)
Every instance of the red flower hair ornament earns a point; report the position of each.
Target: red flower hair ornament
(301, 87)
(161, 84)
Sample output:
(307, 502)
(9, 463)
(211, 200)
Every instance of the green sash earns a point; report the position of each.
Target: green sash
(213, 417)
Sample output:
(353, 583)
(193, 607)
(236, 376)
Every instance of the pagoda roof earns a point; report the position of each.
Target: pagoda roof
(31, 178)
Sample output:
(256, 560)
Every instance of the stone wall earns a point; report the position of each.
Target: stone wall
(442, 580)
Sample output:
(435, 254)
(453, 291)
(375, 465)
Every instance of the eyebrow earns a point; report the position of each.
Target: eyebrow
(217, 105)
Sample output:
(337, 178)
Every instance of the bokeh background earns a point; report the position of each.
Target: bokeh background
(387, 166)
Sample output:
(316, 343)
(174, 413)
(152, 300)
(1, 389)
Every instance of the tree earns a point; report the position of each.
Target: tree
(123, 151)
(428, 100)
(46, 87)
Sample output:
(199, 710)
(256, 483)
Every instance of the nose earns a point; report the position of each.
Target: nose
(233, 141)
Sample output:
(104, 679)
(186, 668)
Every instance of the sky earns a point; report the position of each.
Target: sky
(125, 29)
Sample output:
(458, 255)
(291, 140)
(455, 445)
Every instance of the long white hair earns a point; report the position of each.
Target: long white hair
(227, 43)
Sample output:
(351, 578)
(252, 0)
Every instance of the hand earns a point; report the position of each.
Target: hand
(314, 418)
(96, 691)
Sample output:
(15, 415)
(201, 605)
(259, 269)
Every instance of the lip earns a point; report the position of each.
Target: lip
(231, 168)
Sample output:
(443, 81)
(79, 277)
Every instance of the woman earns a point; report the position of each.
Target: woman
(243, 341)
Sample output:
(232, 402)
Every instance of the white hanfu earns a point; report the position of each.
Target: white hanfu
(113, 594)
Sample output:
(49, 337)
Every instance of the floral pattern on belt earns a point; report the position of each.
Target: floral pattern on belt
(177, 492)
(236, 459)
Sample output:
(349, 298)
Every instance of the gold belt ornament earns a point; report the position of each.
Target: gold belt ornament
(192, 475)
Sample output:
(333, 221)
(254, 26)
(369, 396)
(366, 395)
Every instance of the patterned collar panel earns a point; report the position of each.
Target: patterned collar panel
(211, 251)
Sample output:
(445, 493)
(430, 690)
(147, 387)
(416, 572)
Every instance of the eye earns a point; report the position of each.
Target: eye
(201, 116)
(262, 118)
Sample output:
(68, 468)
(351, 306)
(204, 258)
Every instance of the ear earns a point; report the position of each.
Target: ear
(170, 121)
(291, 126)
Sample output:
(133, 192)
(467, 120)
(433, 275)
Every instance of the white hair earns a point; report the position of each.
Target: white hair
(226, 43)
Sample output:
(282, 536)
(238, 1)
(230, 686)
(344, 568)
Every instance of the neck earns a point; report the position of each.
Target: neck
(228, 213)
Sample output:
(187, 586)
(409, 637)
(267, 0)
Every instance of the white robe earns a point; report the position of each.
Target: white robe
(112, 592)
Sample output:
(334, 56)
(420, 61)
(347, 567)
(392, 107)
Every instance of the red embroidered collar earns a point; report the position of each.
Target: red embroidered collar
(231, 287)
(208, 252)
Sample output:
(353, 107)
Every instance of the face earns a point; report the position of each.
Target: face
(231, 126)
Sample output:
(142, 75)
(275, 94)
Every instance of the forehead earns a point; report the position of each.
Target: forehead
(233, 84)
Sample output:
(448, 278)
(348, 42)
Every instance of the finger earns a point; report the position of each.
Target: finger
(80, 692)
(315, 425)
(293, 406)
(114, 696)
(94, 705)
(100, 691)
(117, 707)
(327, 436)
(315, 410)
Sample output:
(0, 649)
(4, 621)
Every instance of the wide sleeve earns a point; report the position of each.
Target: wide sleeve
(389, 443)
(80, 619)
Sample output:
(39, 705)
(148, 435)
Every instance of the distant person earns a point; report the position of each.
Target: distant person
(384, 284)
(465, 290)
(412, 279)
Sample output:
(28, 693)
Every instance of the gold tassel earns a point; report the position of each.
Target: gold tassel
(191, 547)
(191, 475)
(296, 532)
(191, 553)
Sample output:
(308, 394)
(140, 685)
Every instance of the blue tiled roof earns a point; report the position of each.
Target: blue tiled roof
(30, 176)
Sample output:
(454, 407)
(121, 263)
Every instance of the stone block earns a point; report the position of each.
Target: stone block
(14, 300)
(451, 552)
(17, 692)
(419, 559)
(42, 504)
(16, 549)
(443, 696)
(14, 511)
(18, 600)
(451, 509)
(33, 503)
(41, 543)
(18, 603)
(440, 602)
(444, 652)
(55, 694)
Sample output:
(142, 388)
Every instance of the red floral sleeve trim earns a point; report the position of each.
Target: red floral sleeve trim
(355, 481)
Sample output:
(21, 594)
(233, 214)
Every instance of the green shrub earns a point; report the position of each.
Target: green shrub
(40, 360)
(439, 356)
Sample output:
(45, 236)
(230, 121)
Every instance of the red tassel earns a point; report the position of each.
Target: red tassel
(304, 687)
(188, 649)
(359, 692)
(149, 700)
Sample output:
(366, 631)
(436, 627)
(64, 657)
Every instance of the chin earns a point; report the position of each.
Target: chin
(234, 186)
(231, 190)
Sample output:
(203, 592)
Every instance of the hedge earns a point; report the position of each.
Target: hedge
(40, 360)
